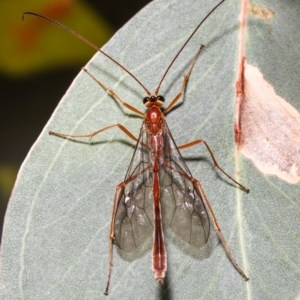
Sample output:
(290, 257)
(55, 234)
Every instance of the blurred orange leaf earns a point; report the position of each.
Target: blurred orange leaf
(35, 44)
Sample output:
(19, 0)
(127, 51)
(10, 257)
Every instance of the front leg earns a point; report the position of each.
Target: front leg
(184, 82)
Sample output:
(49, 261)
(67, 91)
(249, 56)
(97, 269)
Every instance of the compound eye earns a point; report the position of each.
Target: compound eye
(146, 99)
(161, 98)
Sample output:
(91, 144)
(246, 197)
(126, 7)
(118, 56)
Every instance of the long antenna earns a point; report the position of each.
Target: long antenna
(115, 61)
(87, 42)
(173, 60)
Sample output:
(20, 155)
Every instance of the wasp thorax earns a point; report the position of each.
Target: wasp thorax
(154, 119)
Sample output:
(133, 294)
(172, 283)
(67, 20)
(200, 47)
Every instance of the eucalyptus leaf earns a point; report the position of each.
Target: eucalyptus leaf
(55, 239)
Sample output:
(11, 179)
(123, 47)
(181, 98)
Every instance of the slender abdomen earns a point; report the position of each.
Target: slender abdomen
(159, 255)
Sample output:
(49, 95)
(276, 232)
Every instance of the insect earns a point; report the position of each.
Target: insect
(158, 186)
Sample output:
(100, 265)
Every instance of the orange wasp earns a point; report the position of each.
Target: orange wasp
(158, 186)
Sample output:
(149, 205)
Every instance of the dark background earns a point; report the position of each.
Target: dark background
(27, 104)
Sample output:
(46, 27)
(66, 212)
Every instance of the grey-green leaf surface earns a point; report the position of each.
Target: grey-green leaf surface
(55, 239)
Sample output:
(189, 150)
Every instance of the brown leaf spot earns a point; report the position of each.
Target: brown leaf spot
(269, 128)
(262, 12)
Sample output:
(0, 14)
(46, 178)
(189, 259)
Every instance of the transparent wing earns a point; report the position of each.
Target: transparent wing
(182, 206)
(134, 213)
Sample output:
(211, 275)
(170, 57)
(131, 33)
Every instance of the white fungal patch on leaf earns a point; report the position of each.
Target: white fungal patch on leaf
(269, 128)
